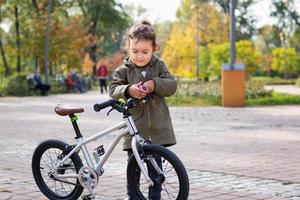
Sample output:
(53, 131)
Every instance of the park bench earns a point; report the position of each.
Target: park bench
(37, 86)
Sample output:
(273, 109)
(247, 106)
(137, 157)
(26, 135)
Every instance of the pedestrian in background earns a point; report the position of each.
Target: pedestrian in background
(102, 74)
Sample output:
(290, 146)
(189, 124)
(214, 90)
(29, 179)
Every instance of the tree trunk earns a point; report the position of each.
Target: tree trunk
(18, 40)
(6, 68)
(35, 5)
(47, 40)
(6, 71)
(36, 67)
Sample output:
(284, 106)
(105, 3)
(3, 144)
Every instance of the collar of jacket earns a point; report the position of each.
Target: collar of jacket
(127, 62)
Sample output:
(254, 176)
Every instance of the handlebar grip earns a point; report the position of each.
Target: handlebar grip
(98, 107)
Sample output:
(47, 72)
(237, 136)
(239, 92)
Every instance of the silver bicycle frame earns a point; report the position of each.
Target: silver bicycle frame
(125, 127)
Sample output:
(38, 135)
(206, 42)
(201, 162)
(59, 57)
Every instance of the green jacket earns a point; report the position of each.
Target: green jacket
(153, 118)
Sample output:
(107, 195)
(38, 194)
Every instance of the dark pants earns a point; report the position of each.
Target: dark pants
(44, 88)
(102, 84)
(154, 191)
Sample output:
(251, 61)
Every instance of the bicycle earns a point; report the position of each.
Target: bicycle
(60, 174)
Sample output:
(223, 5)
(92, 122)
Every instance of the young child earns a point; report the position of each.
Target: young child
(142, 67)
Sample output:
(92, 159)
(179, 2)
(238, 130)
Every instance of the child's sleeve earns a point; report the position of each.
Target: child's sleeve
(165, 84)
(119, 84)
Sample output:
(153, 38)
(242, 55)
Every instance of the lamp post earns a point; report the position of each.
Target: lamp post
(232, 33)
(233, 75)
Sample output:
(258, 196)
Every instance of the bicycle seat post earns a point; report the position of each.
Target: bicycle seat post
(74, 119)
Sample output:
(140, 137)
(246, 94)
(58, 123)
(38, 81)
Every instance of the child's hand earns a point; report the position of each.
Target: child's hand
(150, 86)
(136, 92)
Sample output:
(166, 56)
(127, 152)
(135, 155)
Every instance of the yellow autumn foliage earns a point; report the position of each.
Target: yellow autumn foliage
(180, 50)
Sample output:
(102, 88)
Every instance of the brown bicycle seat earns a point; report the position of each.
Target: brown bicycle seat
(64, 110)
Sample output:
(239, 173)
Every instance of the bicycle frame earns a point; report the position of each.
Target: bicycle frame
(125, 127)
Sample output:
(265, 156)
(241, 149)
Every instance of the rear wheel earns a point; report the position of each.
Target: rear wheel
(173, 183)
(44, 159)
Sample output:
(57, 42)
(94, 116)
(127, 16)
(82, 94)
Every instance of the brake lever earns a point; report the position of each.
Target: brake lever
(109, 111)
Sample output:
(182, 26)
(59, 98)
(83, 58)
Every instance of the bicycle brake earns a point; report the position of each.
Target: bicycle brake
(109, 111)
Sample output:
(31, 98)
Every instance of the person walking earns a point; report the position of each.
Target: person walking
(102, 74)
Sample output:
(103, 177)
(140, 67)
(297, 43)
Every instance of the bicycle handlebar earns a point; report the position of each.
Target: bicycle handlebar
(105, 104)
(119, 105)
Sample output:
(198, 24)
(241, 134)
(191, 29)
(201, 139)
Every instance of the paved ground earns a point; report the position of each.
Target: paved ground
(288, 89)
(230, 153)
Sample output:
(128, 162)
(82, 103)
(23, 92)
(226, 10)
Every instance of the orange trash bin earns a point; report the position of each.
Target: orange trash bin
(233, 86)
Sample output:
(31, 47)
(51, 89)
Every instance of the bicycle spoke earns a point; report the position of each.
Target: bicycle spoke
(47, 163)
(50, 159)
(169, 194)
(62, 187)
(171, 186)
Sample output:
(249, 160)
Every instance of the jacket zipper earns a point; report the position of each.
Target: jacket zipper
(149, 123)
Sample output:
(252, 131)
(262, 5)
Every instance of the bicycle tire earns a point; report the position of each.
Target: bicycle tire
(45, 149)
(180, 177)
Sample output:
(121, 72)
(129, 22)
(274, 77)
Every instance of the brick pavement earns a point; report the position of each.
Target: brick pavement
(241, 153)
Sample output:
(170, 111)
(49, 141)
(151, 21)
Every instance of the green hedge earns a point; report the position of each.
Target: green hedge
(17, 85)
(3, 86)
(213, 89)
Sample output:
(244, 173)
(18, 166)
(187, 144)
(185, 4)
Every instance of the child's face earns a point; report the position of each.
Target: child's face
(140, 52)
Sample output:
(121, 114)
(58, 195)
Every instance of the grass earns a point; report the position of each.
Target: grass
(274, 99)
(273, 80)
(193, 101)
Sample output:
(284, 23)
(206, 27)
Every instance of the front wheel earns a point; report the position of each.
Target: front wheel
(45, 157)
(173, 183)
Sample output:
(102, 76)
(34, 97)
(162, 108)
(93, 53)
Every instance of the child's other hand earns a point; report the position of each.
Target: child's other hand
(150, 86)
(136, 92)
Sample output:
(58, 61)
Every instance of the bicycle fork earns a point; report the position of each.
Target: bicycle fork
(140, 162)
(137, 139)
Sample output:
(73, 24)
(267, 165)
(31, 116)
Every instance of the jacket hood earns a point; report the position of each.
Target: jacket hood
(128, 63)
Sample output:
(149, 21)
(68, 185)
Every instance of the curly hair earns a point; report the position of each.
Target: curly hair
(142, 31)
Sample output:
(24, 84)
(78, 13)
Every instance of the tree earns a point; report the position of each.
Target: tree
(244, 19)
(5, 65)
(137, 12)
(179, 51)
(220, 54)
(163, 30)
(286, 61)
(294, 40)
(71, 32)
(246, 54)
(268, 39)
(17, 23)
(106, 22)
(286, 14)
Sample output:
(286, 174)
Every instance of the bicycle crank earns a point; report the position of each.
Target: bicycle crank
(88, 178)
